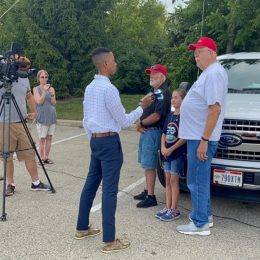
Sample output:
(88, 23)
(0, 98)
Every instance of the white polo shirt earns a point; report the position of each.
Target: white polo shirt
(210, 88)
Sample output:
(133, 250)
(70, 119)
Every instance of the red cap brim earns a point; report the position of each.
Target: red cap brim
(193, 46)
(149, 71)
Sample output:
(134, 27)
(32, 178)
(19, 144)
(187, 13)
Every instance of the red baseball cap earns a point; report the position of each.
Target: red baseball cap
(204, 42)
(157, 68)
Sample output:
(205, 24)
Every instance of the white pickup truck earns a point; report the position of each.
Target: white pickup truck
(236, 165)
(237, 160)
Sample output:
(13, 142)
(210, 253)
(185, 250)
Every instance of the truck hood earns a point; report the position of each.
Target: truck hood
(243, 106)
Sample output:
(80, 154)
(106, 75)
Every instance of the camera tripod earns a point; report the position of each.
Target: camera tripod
(6, 99)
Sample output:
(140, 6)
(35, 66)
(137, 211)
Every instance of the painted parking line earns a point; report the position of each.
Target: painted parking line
(57, 142)
(67, 139)
(125, 190)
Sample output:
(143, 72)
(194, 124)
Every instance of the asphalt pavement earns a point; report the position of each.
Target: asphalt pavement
(41, 225)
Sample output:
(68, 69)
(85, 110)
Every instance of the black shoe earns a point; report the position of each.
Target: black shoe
(141, 196)
(149, 201)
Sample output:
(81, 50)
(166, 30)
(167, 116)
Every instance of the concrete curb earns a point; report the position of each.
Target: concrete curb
(78, 123)
(74, 123)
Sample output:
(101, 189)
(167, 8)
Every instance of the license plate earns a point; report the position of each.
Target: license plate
(229, 178)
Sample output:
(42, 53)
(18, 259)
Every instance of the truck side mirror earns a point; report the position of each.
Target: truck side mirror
(185, 85)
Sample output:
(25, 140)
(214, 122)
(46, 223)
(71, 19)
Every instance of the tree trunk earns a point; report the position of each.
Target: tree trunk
(231, 38)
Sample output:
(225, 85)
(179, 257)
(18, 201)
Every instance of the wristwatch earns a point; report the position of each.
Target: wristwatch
(204, 139)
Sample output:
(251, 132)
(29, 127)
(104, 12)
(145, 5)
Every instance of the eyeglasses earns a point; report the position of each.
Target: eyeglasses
(44, 77)
(199, 51)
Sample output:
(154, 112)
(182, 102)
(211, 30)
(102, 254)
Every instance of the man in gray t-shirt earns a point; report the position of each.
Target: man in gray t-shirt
(19, 141)
(202, 113)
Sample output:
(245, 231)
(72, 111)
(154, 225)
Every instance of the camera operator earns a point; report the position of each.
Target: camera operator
(19, 141)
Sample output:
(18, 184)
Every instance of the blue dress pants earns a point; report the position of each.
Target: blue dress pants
(106, 162)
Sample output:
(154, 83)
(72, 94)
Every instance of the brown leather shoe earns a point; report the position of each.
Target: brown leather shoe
(115, 246)
(90, 232)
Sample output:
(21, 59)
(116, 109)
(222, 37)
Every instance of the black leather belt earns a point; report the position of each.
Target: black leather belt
(95, 135)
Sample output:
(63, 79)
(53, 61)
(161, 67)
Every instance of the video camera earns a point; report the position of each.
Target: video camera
(13, 66)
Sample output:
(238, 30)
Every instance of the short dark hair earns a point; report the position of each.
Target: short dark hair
(99, 51)
(99, 55)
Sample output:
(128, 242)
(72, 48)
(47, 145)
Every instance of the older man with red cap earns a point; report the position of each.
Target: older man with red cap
(202, 114)
(150, 126)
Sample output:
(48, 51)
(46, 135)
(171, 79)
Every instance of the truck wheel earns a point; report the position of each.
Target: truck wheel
(160, 171)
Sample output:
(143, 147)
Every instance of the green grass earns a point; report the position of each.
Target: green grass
(71, 109)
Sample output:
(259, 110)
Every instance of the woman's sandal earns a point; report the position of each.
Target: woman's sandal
(43, 162)
(48, 161)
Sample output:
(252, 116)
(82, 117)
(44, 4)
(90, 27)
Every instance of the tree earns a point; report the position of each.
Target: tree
(57, 36)
(137, 41)
(234, 24)
(237, 28)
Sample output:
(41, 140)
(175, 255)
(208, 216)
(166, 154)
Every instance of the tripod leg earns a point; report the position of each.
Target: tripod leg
(5, 156)
(3, 216)
(31, 141)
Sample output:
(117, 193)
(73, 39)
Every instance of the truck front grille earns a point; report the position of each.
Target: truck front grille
(248, 178)
(241, 125)
(249, 131)
(237, 155)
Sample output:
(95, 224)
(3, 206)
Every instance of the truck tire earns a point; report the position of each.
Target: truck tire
(160, 171)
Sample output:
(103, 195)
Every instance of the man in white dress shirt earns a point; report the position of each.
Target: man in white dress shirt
(104, 117)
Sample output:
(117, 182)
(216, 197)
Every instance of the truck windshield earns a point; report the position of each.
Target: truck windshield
(243, 75)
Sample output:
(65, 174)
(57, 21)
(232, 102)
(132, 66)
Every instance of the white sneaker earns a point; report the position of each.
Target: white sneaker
(191, 229)
(210, 219)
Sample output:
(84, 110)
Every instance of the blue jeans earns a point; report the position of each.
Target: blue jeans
(149, 144)
(106, 162)
(198, 180)
(175, 166)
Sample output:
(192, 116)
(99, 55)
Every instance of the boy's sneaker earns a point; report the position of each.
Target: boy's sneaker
(90, 232)
(149, 201)
(115, 246)
(171, 214)
(210, 219)
(191, 229)
(40, 187)
(161, 212)
(9, 190)
(141, 196)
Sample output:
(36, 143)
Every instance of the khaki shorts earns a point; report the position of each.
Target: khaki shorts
(19, 142)
(44, 130)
